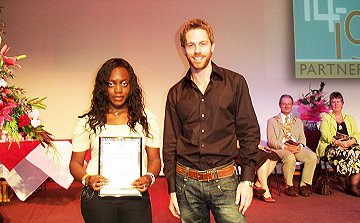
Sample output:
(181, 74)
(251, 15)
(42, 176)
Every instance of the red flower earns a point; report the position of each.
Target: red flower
(24, 120)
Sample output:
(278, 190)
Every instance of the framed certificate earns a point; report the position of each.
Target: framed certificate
(120, 160)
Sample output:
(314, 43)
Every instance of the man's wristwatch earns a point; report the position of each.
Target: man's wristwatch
(249, 183)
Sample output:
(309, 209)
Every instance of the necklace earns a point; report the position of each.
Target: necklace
(116, 113)
(340, 126)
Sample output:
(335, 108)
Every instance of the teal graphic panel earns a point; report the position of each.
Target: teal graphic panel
(327, 38)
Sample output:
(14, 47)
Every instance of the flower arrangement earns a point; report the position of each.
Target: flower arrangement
(312, 104)
(19, 115)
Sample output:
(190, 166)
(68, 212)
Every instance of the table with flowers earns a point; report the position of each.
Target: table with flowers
(27, 164)
(27, 167)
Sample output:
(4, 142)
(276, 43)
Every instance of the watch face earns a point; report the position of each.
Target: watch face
(248, 183)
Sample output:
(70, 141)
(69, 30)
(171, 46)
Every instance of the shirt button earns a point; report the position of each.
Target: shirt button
(202, 130)
(202, 100)
(202, 115)
(202, 145)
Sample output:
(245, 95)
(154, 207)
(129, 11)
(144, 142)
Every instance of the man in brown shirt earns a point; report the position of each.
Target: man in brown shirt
(206, 113)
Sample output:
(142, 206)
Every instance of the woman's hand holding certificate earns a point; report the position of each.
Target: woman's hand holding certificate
(142, 183)
(97, 182)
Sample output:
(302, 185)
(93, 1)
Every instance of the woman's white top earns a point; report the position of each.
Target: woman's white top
(83, 139)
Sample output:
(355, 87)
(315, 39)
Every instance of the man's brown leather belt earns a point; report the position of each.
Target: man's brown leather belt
(206, 175)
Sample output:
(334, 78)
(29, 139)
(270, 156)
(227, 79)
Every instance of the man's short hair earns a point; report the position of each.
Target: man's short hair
(196, 24)
(286, 96)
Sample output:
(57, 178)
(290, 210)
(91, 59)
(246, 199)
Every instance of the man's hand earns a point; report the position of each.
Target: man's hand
(173, 206)
(244, 194)
(296, 149)
(288, 147)
(292, 148)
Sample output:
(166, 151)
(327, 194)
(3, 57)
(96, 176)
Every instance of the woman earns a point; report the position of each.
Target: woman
(339, 143)
(117, 109)
(267, 163)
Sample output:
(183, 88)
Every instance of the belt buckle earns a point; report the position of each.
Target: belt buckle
(207, 173)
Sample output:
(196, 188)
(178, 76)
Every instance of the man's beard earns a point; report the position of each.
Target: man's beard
(199, 65)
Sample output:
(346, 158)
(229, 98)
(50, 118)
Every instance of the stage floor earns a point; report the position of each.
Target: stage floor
(60, 205)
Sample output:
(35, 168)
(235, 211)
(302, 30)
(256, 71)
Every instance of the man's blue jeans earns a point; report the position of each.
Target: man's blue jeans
(196, 199)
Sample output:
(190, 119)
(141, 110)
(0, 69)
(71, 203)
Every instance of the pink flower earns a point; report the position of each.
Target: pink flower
(312, 113)
(312, 104)
(7, 91)
(5, 112)
(9, 61)
(7, 96)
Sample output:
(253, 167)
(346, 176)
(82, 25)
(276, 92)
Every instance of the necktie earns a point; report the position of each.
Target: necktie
(287, 128)
(287, 121)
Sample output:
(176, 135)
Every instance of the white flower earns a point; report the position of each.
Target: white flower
(35, 122)
(34, 114)
(3, 83)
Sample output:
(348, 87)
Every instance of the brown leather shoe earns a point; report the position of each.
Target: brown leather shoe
(303, 191)
(290, 191)
(354, 191)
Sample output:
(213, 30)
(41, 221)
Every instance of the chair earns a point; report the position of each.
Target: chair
(297, 172)
(277, 181)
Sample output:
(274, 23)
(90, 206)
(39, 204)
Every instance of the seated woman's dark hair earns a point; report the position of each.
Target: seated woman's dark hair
(336, 95)
(100, 101)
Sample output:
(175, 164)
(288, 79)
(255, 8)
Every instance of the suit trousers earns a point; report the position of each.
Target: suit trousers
(306, 156)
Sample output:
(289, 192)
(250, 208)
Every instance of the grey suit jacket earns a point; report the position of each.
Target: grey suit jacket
(275, 133)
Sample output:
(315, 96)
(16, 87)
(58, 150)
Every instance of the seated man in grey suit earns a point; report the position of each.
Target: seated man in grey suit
(285, 135)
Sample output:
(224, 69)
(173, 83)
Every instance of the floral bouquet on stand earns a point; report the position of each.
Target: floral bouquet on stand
(312, 104)
(19, 115)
